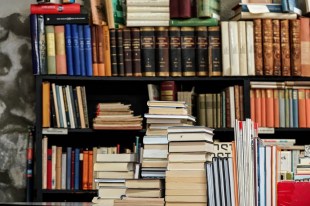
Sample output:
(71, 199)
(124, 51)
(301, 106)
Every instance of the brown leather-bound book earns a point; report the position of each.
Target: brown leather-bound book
(46, 114)
(94, 42)
(302, 120)
(268, 47)
(58, 167)
(305, 46)
(85, 170)
(136, 51)
(162, 51)
(168, 91)
(175, 51)
(202, 51)
(214, 51)
(276, 47)
(113, 47)
(174, 8)
(285, 48)
(269, 108)
(188, 44)
(237, 102)
(107, 51)
(127, 52)
(90, 170)
(101, 70)
(120, 52)
(185, 8)
(258, 47)
(148, 51)
(295, 47)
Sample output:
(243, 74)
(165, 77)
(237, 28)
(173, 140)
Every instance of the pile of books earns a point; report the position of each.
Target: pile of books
(143, 192)
(162, 114)
(190, 147)
(116, 116)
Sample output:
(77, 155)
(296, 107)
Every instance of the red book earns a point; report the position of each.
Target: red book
(55, 8)
(263, 108)
(293, 193)
(185, 9)
(49, 168)
(174, 9)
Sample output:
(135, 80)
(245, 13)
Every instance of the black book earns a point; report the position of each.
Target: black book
(62, 19)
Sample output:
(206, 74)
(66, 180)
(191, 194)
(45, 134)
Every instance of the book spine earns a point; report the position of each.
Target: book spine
(72, 169)
(34, 30)
(202, 51)
(270, 108)
(146, 23)
(295, 41)
(273, 8)
(276, 107)
(90, 170)
(94, 42)
(54, 172)
(295, 108)
(61, 64)
(148, 51)
(66, 108)
(287, 108)
(228, 109)
(55, 8)
(250, 47)
(174, 8)
(194, 22)
(234, 48)
(136, 51)
(209, 110)
(264, 107)
(127, 52)
(85, 109)
(215, 53)
(147, 3)
(82, 50)
(285, 48)
(49, 168)
(291, 108)
(42, 44)
(302, 121)
(76, 49)
(72, 100)
(101, 69)
(267, 47)
(308, 107)
(168, 91)
(188, 45)
(202, 110)
(258, 47)
(305, 46)
(88, 50)
(237, 102)
(223, 108)
(77, 110)
(85, 170)
(225, 48)
(55, 105)
(77, 169)
(120, 52)
(258, 106)
(276, 47)
(282, 107)
(175, 51)
(113, 52)
(61, 112)
(252, 104)
(68, 43)
(162, 51)
(58, 167)
(148, 16)
(218, 110)
(63, 170)
(50, 46)
(68, 168)
(46, 113)
(107, 51)
(61, 19)
(242, 48)
(185, 9)
(204, 8)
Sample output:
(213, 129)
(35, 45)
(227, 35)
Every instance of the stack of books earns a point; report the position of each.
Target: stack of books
(138, 190)
(116, 116)
(162, 114)
(111, 170)
(147, 13)
(189, 149)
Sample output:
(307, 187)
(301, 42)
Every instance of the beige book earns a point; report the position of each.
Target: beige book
(181, 192)
(155, 193)
(167, 110)
(111, 192)
(185, 204)
(242, 48)
(144, 183)
(189, 157)
(154, 163)
(191, 147)
(130, 157)
(250, 47)
(186, 179)
(187, 185)
(156, 147)
(234, 48)
(115, 175)
(185, 198)
(186, 166)
(225, 48)
(179, 173)
(105, 167)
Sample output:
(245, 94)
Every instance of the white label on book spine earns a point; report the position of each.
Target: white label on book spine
(265, 130)
(59, 131)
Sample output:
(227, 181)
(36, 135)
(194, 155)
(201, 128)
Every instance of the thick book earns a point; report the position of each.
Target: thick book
(88, 50)
(69, 52)
(188, 44)
(81, 49)
(120, 52)
(295, 43)
(60, 51)
(267, 46)
(273, 15)
(276, 47)
(113, 47)
(94, 49)
(55, 8)
(208, 9)
(101, 69)
(258, 47)
(175, 51)
(148, 51)
(127, 52)
(191, 147)
(305, 46)
(194, 22)
(61, 19)
(168, 91)
(174, 8)
(215, 52)
(162, 51)
(136, 51)
(202, 62)
(76, 49)
(184, 9)
(35, 44)
(285, 48)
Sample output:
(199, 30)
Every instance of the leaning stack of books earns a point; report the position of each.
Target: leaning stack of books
(138, 191)
(116, 116)
(189, 149)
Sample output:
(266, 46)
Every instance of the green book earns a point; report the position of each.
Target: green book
(208, 8)
(194, 22)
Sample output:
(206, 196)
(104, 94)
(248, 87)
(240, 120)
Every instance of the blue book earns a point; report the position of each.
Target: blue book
(69, 49)
(295, 108)
(75, 49)
(88, 51)
(82, 50)
(42, 44)
(35, 44)
(275, 8)
(77, 169)
(68, 169)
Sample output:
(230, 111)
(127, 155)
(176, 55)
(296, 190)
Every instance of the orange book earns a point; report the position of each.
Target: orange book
(85, 170)
(46, 113)
(258, 106)
(94, 42)
(302, 122)
(101, 69)
(308, 107)
(234, 161)
(107, 51)
(61, 62)
(305, 46)
(276, 108)
(58, 167)
(263, 108)
(269, 108)
(90, 170)
(237, 102)
(252, 104)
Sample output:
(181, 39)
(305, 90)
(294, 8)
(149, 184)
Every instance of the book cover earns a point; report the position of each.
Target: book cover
(175, 51)
(68, 47)
(188, 44)
(88, 50)
(202, 62)
(258, 47)
(60, 52)
(81, 49)
(148, 51)
(162, 51)
(136, 51)
(76, 49)
(55, 8)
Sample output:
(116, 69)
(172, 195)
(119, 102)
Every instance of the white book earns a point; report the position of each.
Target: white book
(155, 153)
(286, 161)
(225, 48)
(137, 23)
(268, 175)
(54, 166)
(63, 170)
(116, 157)
(70, 110)
(231, 180)
(234, 48)
(159, 9)
(262, 176)
(55, 104)
(155, 140)
(250, 47)
(63, 113)
(148, 16)
(232, 105)
(143, 3)
(44, 162)
(242, 48)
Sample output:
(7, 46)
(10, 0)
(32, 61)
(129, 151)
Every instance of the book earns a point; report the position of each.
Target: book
(76, 49)
(188, 44)
(50, 48)
(214, 51)
(162, 51)
(285, 48)
(270, 15)
(144, 183)
(168, 91)
(68, 48)
(34, 31)
(116, 157)
(148, 51)
(136, 51)
(305, 48)
(107, 51)
(294, 29)
(88, 50)
(46, 104)
(55, 8)
(127, 52)
(202, 51)
(267, 46)
(258, 47)
(62, 19)
(276, 47)
(194, 22)
(60, 53)
(190, 147)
